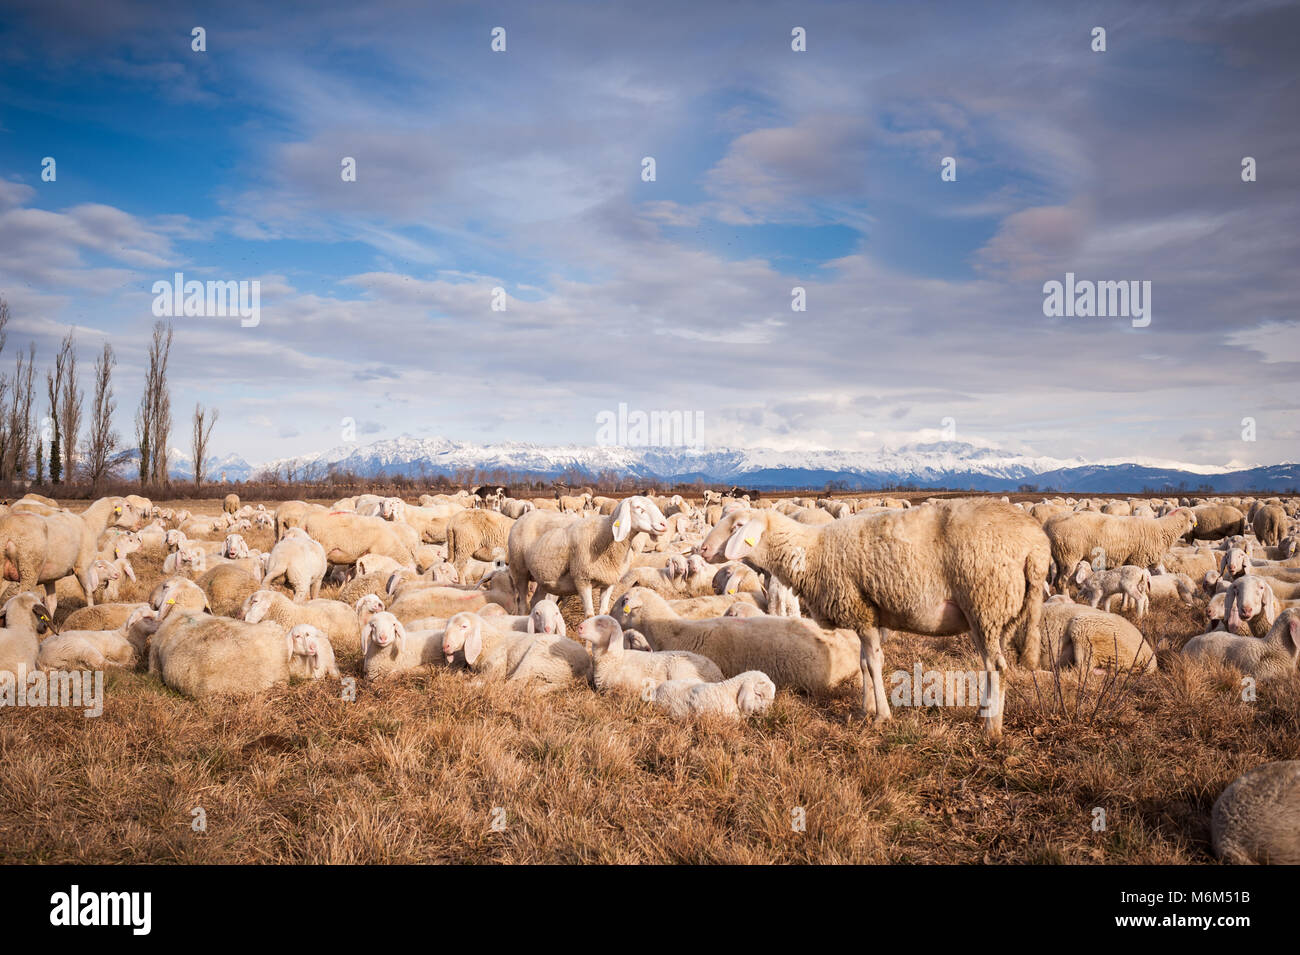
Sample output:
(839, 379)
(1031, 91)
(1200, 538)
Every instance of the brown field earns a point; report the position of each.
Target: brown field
(418, 769)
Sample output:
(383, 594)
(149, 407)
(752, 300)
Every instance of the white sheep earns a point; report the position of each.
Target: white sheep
(26, 619)
(94, 649)
(616, 668)
(746, 694)
(1128, 582)
(1256, 820)
(548, 659)
(388, 647)
(333, 618)
(300, 561)
(567, 554)
(1270, 658)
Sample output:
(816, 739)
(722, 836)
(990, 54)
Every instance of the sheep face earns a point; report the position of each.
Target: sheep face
(383, 630)
(464, 632)
(636, 514)
(257, 606)
(755, 694)
(18, 608)
(735, 537)
(234, 548)
(368, 606)
(1247, 599)
(546, 618)
(602, 631)
(311, 655)
(1234, 562)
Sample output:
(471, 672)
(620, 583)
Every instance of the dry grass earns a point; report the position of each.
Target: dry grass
(413, 770)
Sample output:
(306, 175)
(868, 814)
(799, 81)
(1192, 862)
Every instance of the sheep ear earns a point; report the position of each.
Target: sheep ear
(473, 645)
(399, 635)
(531, 626)
(92, 578)
(623, 520)
(742, 541)
(564, 629)
(365, 637)
(1292, 635)
(288, 639)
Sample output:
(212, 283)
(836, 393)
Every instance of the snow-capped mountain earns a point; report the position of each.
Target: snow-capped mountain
(943, 464)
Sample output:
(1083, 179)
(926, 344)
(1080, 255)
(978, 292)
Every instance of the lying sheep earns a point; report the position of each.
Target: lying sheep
(638, 672)
(1250, 602)
(1169, 586)
(101, 616)
(795, 653)
(200, 655)
(746, 694)
(335, 619)
(178, 595)
(227, 587)
(26, 620)
(301, 562)
(95, 649)
(1076, 635)
(388, 647)
(1256, 820)
(410, 604)
(1270, 658)
(518, 657)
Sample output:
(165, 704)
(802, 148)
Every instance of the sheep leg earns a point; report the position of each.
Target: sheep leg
(993, 692)
(606, 598)
(584, 591)
(875, 702)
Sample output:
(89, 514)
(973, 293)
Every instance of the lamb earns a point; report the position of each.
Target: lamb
(1128, 583)
(301, 561)
(387, 647)
(1271, 658)
(1075, 635)
(200, 655)
(518, 657)
(747, 694)
(939, 569)
(639, 672)
(567, 555)
(1256, 820)
(25, 620)
(1140, 541)
(336, 620)
(795, 653)
(188, 558)
(94, 649)
(476, 534)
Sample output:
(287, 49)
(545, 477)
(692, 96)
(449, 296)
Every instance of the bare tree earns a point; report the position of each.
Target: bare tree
(201, 434)
(69, 416)
(153, 420)
(20, 414)
(102, 440)
(53, 389)
(4, 391)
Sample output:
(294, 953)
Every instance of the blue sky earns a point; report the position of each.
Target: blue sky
(774, 169)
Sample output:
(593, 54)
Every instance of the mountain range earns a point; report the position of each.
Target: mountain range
(953, 465)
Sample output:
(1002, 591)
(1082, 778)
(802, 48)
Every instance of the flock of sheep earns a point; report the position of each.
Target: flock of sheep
(705, 608)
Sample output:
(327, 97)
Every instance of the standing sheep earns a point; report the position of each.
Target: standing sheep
(476, 534)
(301, 562)
(1141, 541)
(231, 504)
(1270, 525)
(568, 555)
(940, 569)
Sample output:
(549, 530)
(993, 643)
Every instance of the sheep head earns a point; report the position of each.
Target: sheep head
(382, 630)
(310, 651)
(546, 618)
(257, 606)
(735, 536)
(602, 632)
(636, 514)
(464, 632)
(755, 693)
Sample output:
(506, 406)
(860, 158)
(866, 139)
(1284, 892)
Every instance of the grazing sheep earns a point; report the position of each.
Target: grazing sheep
(231, 503)
(746, 694)
(795, 653)
(567, 554)
(1214, 521)
(1256, 820)
(549, 659)
(301, 561)
(1128, 583)
(616, 668)
(227, 587)
(336, 620)
(25, 621)
(940, 569)
(476, 534)
(1140, 541)
(1270, 658)
(1076, 635)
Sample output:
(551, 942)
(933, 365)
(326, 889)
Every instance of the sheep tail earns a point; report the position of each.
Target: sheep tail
(1028, 620)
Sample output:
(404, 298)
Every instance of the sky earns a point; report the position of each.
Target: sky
(522, 170)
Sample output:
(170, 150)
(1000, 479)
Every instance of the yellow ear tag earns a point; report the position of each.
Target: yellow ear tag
(616, 523)
(749, 541)
(117, 510)
(171, 600)
(731, 591)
